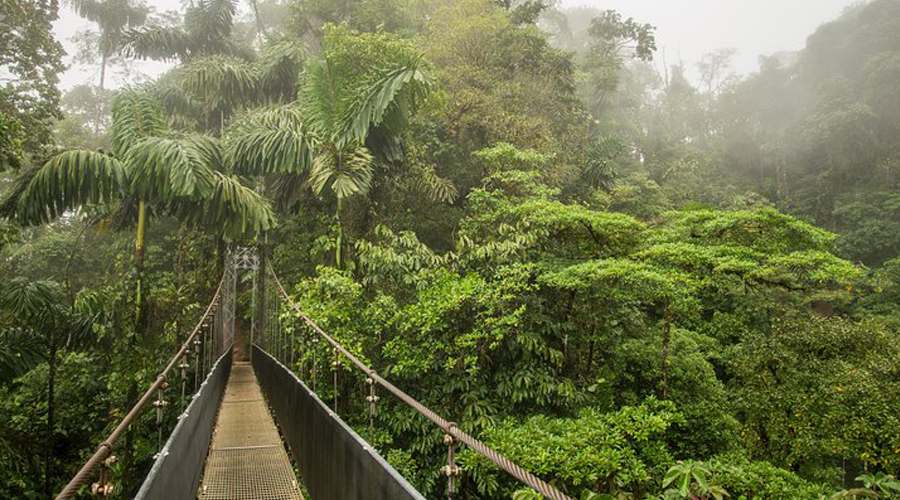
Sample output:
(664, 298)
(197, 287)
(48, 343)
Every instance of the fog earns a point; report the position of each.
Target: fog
(686, 30)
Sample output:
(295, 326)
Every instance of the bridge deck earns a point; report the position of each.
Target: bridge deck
(247, 459)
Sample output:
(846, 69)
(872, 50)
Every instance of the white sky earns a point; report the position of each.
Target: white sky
(686, 29)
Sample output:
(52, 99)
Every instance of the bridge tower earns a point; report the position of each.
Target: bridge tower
(243, 258)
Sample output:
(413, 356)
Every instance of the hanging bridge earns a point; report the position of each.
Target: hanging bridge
(251, 426)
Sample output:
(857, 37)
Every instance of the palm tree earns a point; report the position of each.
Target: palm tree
(205, 31)
(216, 75)
(181, 175)
(349, 115)
(177, 174)
(113, 17)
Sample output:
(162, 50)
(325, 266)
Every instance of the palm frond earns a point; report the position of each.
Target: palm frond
(9, 205)
(279, 67)
(437, 188)
(165, 168)
(88, 9)
(31, 302)
(182, 110)
(136, 115)
(286, 190)
(114, 14)
(19, 352)
(232, 210)
(345, 171)
(320, 97)
(270, 140)
(67, 181)
(390, 95)
(160, 43)
(221, 82)
(209, 23)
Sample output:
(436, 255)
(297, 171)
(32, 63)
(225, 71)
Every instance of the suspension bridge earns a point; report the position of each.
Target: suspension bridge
(251, 426)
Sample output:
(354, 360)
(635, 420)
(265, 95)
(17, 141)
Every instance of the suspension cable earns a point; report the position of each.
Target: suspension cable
(450, 428)
(105, 448)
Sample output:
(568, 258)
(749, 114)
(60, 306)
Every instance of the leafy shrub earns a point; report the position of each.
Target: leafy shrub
(602, 452)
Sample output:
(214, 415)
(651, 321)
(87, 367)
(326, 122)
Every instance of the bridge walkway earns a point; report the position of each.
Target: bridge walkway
(247, 459)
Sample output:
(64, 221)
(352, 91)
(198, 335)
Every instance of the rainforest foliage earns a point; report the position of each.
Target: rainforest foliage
(636, 281)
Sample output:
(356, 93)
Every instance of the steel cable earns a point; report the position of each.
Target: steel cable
(450, 428)
(105, 448)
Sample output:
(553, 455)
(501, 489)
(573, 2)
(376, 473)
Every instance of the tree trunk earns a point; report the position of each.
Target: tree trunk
(340, 238)
(139, 264)
(98, 118)
(260, 30)
(67, 273)
(139, 322)
(180, 281)
(48, 444)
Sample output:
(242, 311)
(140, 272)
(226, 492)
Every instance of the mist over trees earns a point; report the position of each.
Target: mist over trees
(638, 278)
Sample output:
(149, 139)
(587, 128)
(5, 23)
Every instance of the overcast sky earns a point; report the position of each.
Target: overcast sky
(686, 29)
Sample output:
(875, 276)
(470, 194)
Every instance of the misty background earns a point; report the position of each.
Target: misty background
(686, 31)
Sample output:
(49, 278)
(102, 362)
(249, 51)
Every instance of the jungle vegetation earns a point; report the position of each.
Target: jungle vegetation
(634, 284)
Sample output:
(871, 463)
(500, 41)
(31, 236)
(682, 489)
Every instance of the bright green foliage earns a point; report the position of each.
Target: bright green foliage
(558, 306)
(270, 140)
(880, 482)
(691, 480)
(595, 450)
(69, 180)
(759, 480)
(885, 296)
(356, 97)
(394, 262)
(354, 102)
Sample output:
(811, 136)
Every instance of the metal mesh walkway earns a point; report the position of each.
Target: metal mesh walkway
(247, 460)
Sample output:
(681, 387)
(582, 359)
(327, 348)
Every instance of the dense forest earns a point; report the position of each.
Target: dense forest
(637, 279)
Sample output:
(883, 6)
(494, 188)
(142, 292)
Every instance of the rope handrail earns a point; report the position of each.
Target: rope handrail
(449, 427)
(105, 448)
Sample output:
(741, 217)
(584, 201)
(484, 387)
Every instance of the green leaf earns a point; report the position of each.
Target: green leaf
(69, 180)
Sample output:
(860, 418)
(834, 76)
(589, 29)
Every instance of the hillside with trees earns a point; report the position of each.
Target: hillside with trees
(634, 282)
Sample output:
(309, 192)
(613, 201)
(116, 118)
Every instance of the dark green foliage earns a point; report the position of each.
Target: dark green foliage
(832, 375)
(82, 404)
(29, 101)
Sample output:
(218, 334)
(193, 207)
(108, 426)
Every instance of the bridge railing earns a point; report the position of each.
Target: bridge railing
(453, 434)
(209, 339)
(334, 462)
(179, 464)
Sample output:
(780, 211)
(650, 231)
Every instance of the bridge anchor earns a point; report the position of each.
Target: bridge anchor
(451, 470)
